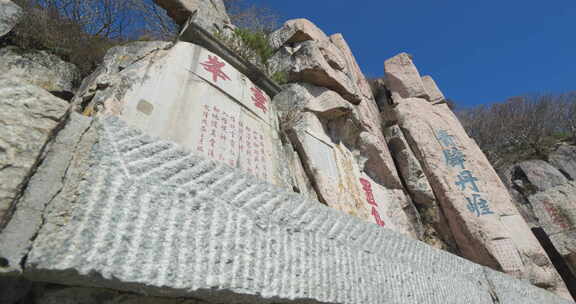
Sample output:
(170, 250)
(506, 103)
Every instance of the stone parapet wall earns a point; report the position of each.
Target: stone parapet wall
(126, 218)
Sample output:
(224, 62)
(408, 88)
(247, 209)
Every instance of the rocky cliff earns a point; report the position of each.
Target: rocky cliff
(180, 173)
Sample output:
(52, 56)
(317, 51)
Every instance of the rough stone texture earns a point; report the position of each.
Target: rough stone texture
(43, 187)
(337, 152)
(436, 96)
(174, 94)
(564, 159)
(308, 64)
(556, 212)
(403, 78)
(294, 31)
(10, 13)
(28, 115)
(537, 175)
(122, 67)
(41, 69)
(201, 230)
(437, 231)
(495, 236)
(210, 14)
(352, 68)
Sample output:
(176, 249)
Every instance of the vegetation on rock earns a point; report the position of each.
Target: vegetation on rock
(521, 128)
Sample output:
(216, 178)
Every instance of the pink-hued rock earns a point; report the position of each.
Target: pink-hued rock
(403, 78)
(340, 156)
(210, 14)
(483, 218)
(436, 96)
(333, 55)
(296, 30)
(354, 71)
(308, 64)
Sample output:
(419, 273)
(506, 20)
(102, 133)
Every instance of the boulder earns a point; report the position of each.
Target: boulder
(564, 159)
(403, 78)
(41, 69)
(209, 14)
(28, 118)
(345, 162)
(556, 208)
(436, 96)
(294, 31)
(486, 225)
(10, 14)
(409, 167)
(533, 176)
(308, 64)
(121, 67)
(333, 55)
(352, 68)
(437, 231)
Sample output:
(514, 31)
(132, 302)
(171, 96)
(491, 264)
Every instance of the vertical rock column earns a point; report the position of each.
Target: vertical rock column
(331, 119)
(481, 214)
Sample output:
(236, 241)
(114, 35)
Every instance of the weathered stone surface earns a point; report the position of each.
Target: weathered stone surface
(436, 96)
(537, 175)
(352, 67)
(556, 208)
(564, 159)
(436, 229)
(210, 14)
(197, 229)
(41, 69)
(333, 55)
(10, 13)
(344, 160)
(308, 64)
(47, 183)
(28, 116)
(403, 78)
(485, 222)
(193, 97)
(294, 31)
(409, 166)
(122, 67)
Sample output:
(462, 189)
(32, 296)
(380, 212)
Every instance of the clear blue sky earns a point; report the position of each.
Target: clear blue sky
(478, 51)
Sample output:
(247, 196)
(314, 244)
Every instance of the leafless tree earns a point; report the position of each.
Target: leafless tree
(526, 124)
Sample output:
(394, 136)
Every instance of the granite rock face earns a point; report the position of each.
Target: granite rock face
(332, 122)
(403, 78)
(486, 224)
(294, 31)
(564, 159)
(436, 96)
(127, 217)
(28, 117)
(210, 14)
(41, 69)
(10, 13)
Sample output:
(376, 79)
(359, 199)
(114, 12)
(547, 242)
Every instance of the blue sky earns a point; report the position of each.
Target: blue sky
(477, 51)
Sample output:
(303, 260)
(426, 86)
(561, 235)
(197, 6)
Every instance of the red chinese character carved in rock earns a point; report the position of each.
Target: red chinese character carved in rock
(259, 99)
(214, 66)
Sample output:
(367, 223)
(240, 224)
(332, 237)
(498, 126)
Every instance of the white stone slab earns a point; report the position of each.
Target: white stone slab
(325, 159)
(219, 73)
(178, 105)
